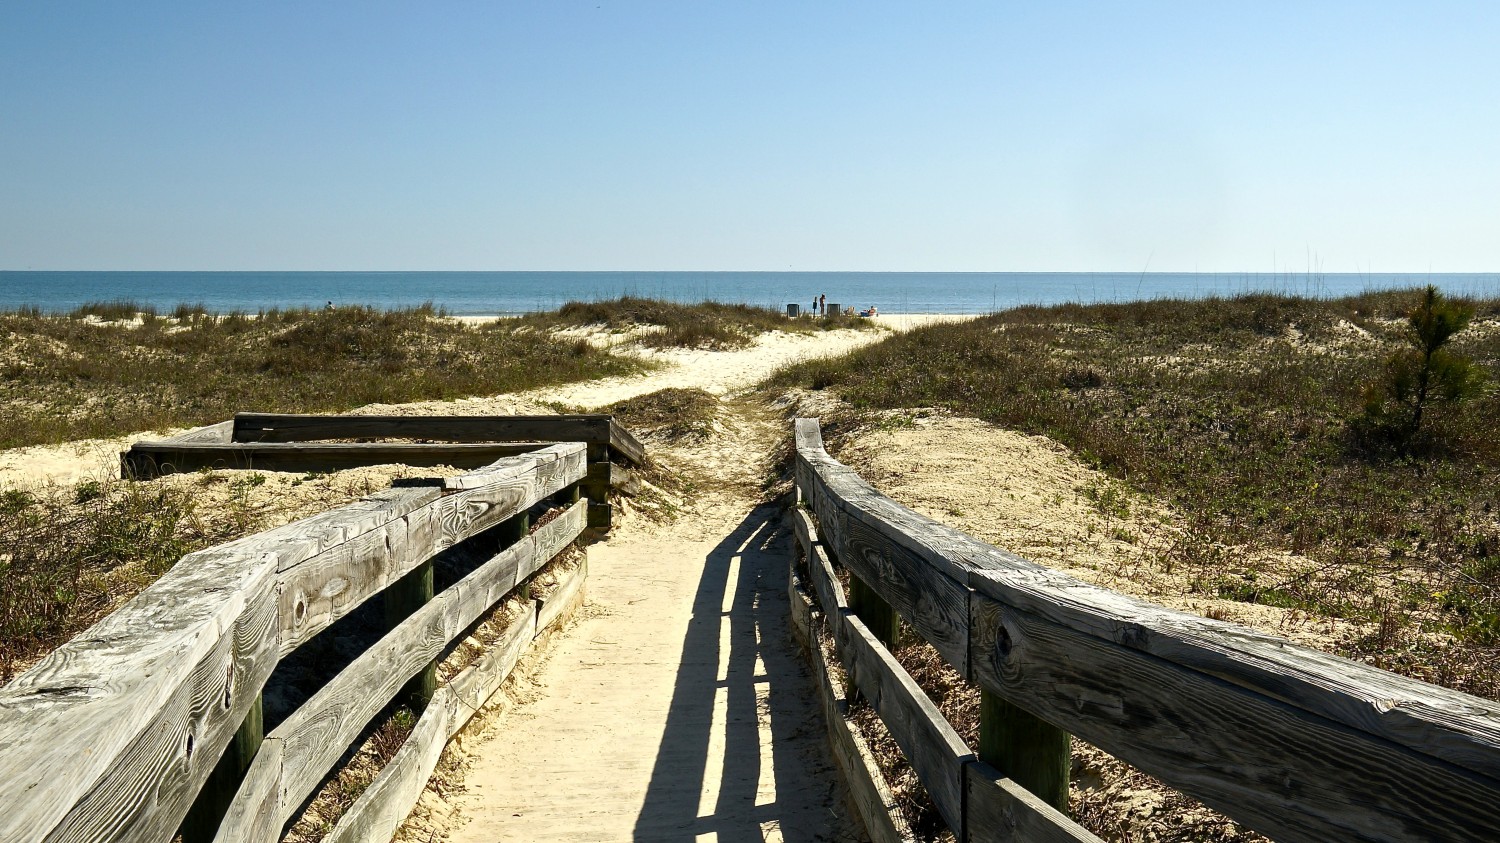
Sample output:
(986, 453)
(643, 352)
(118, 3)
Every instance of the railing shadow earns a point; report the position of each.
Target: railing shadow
(757, 655)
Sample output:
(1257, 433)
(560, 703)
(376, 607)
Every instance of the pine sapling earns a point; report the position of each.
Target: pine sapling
(1423, 374)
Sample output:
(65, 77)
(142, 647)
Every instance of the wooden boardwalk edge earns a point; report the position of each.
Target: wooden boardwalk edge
(379, 811)
(874, 803)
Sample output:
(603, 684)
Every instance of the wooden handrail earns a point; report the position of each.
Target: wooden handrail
(1298, 744)
(112, 735)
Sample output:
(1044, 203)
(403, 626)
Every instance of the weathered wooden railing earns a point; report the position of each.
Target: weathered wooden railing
(1294, 743)
(157, 708)
(278, 442)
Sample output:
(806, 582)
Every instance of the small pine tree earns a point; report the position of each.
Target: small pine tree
(1422, 375)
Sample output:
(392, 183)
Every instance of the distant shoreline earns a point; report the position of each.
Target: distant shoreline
(491, 294)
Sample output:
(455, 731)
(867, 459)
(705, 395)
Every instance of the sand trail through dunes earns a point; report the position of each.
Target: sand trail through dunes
(718, 372)
(678, 708)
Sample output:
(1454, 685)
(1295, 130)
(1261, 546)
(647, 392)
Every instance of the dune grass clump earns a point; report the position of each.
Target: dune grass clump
(66, 553)
(1244, 414)
(671, 413)
(713, 325)
(63, 378)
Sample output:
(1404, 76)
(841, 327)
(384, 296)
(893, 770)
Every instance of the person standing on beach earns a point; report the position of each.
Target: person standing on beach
(823, 305)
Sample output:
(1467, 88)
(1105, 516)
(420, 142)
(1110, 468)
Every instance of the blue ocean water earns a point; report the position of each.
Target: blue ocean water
(480, 293)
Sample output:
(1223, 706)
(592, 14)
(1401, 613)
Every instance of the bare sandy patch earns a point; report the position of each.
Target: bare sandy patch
(1032, 496)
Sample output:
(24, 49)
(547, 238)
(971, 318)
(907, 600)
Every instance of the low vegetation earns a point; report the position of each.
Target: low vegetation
(117, 368)
(669, 415)
(1249, 416)
(67, 556)
(709, 324)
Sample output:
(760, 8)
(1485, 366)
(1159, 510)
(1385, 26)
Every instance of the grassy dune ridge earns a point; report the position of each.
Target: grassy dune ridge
(1243, 414)
(64, 378)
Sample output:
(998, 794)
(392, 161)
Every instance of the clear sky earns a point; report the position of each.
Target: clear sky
(1233, 136)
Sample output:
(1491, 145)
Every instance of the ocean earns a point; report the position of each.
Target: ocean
(485, 293)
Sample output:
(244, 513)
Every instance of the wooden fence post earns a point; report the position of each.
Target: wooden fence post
(201, 824)
(512, 530)
(596, 488)
(404, 597)
(867, 605)
(1030, 751)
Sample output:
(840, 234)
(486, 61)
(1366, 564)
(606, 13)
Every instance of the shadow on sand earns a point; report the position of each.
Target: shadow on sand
(805, 804)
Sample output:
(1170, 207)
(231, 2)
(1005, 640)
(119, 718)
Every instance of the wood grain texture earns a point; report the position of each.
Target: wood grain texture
(560, 602)
(219, 432)
(1458, 728)
(316, 735)
(381, 809)
(935, 751)
(317, 591)
(592, 429)
(868, 533)
(111, 736)
(1418, 728)
(1026, 749)
(1279, 770)
(474, 686)
(253, 815)
(153, 459)
(378, 812)
(1001, 811)
(484, 498)
(872, 796)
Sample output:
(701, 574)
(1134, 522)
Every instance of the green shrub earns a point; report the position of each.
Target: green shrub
(1421, 376)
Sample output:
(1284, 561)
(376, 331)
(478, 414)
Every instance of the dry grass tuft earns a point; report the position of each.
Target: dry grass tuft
(71, 378)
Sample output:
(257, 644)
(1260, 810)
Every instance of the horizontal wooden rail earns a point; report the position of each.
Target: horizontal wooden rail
(598, 430)
(152, 459)
(316, 735)
(976, 802)
(870, 792)
(379, 811)
(1297, 744)
(112, 735)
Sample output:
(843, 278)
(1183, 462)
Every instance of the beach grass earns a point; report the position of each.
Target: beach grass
(1243, 414)
(127, 369)
(713, 325)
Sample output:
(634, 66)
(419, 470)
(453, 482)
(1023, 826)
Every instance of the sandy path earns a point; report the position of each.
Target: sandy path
(679, 708)
(718, 372)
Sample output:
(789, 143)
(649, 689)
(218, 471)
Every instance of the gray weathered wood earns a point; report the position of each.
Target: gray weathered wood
(1028, 750)
(594, 429)
(378, 812)
(936, 753)
(485, 498)
(475, 684)
(381, 809)
(317, 733)
(1001, 811)
(866, 604)
(866, 532)
(1290, 775)
(401, 530)
(404, 598)
(111, 736)
(872, 796)
(1231, 687)
(558, 603)
(801, 606)
(219, 432)
(202, 821)
(252, 816)
(153, 459)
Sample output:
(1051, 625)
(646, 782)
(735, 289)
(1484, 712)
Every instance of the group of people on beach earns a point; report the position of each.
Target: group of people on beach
(820, 308)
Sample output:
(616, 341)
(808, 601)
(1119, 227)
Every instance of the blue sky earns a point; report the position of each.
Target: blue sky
(1341, 137)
